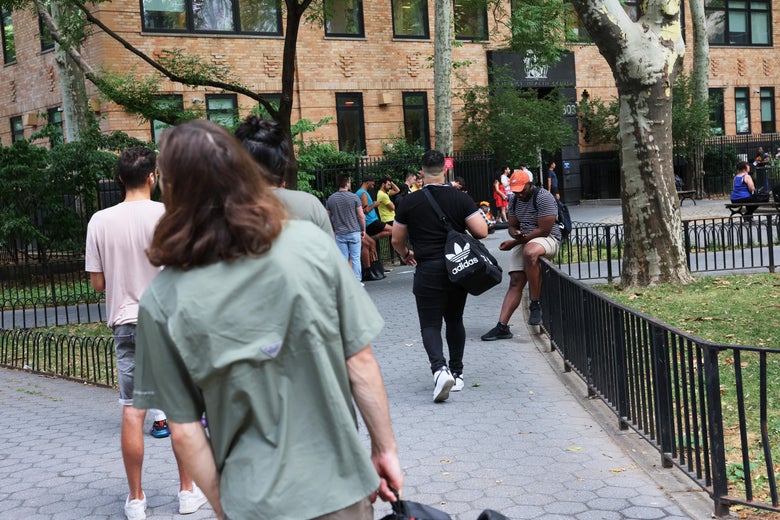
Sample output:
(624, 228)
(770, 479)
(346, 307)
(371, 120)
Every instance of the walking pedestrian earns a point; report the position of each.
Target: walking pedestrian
(436, 297)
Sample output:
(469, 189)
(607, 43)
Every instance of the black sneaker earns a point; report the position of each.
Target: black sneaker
(536, 313)
(500, 331)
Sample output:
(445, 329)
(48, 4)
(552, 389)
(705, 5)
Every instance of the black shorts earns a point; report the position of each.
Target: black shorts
(375, 228)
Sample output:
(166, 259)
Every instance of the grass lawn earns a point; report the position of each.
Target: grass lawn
(738, 310)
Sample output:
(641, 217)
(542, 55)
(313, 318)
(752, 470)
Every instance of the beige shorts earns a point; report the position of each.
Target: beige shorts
(549, 244)
(362, 510)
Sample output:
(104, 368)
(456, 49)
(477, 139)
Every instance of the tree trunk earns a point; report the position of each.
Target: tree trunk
(700, 80)
(75, 104)
(645, 57)
(442, 75)
(654, 251)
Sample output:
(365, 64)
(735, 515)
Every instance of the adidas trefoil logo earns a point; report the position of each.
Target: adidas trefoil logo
(459, 254)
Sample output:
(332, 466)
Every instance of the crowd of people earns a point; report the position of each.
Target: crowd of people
(236, 290)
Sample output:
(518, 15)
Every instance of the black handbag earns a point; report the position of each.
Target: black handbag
(469, 263)
(407, 510)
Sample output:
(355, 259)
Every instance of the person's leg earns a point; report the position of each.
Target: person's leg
(429, 313)
(354, 252)
(132, 441)
(342, 242)
(514, 294)
(533, 269)
(455, 332)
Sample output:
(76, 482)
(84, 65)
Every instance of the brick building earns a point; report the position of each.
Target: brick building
(367, 67)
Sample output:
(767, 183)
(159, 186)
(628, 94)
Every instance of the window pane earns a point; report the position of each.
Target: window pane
(738, 34)
(164, 14)
(212, 15)
(344, 18)
(260, 16)
(349, 114)
(759, 28)
(767, 110)
(47, 42)
(9, 46)
(717, 117)
(742, 110)
(222, 110)
(416, 129)
(716, 26)
(170, 102)
(470, 20)
(410, 18)
(54, 118)
(17, 129)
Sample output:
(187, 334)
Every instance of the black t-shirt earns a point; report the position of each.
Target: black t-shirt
(426, 231)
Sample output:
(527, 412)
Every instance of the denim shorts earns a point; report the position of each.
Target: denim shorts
(124, 344)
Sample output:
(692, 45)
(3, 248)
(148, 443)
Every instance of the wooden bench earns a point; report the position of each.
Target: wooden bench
(762, 208)
(686, 194)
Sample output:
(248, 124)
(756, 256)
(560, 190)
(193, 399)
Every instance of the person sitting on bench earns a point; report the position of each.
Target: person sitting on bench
(744, 190)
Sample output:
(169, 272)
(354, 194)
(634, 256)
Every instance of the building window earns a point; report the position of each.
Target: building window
(410, 19)
(274, 99)
(213, 16)
(9, 46)
(17, 129)
(767, 110)
(416, 127)
(47, 42)
(171, 102)
(742, 107)
(54, 119)
(344, 18)
(349, 116)
(717, 114)
(738, 22)
(222, 109)
(470, 20)
(575, 30)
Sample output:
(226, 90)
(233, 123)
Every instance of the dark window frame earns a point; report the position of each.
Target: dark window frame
(767, 94)
(483, 36)
(730, 38)
(189, 23)
(222, 111)
(163, 98)
(717, 111)
(47, 42)
(426, 23)
(343, 108)
(6, 14)
(741, 96)
(17, 134)
(54, 118)
(425, 138)
(361, 31)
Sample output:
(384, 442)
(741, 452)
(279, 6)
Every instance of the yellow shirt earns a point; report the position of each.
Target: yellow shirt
(385, 213)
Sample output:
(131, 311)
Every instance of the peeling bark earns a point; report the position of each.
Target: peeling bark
(442, 76)
(645, 56)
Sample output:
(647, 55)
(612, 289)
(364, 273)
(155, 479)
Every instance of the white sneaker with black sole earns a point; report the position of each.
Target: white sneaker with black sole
(458, 386)
(442, 383)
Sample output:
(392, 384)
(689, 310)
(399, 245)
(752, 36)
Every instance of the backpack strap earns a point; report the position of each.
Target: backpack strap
(437, 209)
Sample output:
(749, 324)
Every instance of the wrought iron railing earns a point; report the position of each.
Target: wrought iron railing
(81, 358)
(670, 387)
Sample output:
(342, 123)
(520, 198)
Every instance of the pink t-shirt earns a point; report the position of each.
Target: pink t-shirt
(117, 239)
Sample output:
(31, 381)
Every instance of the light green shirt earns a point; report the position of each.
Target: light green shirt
(260, 345)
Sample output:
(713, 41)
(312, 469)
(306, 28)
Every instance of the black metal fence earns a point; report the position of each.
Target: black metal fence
(680, 393)
(595, 252)
(81, 358)
(722, 154)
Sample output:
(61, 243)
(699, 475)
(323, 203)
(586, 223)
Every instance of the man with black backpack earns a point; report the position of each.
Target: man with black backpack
(532, 225)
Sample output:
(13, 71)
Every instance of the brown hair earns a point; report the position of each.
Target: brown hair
(218, 205)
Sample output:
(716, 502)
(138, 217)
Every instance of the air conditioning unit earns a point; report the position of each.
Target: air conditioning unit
(385, 98)
(31, 119)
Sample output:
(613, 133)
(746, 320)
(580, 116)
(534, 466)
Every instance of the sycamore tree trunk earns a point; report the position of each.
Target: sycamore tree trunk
(75, 104)
(442, 75)
(645, 56)
(700, 80)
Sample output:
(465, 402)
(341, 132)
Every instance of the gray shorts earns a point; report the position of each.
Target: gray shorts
(124, 344)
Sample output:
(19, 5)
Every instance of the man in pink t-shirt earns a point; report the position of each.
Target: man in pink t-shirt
(117, 239)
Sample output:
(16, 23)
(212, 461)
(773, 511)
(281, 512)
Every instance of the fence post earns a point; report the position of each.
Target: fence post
(715, 423)
(663, 394)
(770, 240)
(608, 233)
(687, 239)
(620, 369)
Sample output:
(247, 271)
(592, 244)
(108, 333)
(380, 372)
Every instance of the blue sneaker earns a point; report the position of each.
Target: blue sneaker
(160, 429)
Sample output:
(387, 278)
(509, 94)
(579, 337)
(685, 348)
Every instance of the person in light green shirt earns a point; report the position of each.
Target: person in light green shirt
(259, 323)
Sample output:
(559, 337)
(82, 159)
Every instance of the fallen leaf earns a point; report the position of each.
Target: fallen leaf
(574, 448)
(445, 461)
(617, 470)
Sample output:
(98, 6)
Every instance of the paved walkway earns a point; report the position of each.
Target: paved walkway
(521, 438)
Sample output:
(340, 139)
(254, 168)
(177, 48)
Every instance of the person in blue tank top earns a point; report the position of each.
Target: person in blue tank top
(743, 189)
(372, 267)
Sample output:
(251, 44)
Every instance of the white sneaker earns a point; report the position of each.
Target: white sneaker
(135, 509)
(442, 382)
(190, 501)
(458, 386)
